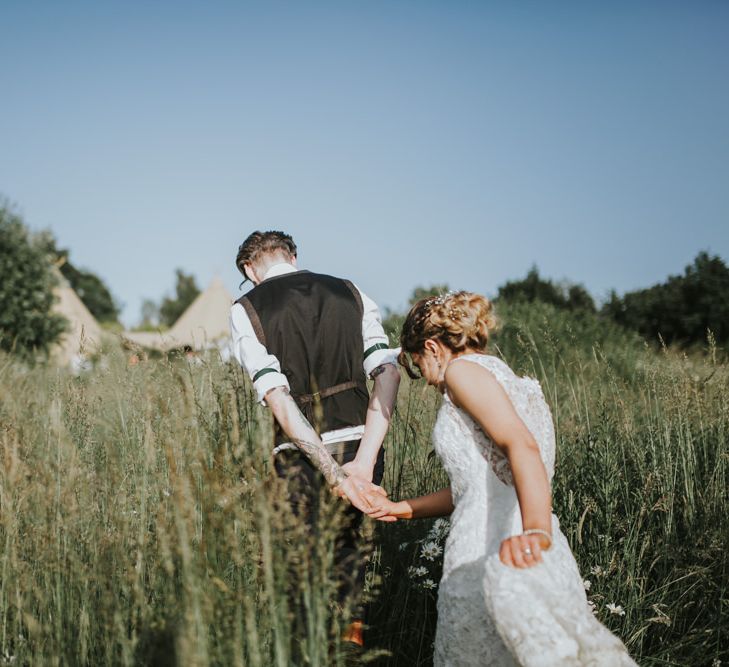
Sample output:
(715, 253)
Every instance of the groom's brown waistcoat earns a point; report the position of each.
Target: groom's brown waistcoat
(312, 323)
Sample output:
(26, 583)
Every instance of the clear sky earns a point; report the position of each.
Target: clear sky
(401, 143)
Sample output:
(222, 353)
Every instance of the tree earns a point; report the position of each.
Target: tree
(91, 289)
(150, 315)
(683, 309)
(186, 290)
(27, 324)
(93, 292)
(569, 296)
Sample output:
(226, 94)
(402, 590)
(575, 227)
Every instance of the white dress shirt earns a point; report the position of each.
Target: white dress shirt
(254, 357)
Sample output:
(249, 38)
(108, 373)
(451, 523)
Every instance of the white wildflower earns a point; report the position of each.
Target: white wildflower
(592, 606)
(428, 584)
(441, 524)
(431, 550)
(615, 609)
(716, 662)
(419, 571)
(587, 584)
(597, 571)
(403, 546)
(439, 529)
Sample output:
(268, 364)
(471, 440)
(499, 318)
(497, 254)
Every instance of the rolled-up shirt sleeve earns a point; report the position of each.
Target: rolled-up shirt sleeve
(263, 368)
(377, 350)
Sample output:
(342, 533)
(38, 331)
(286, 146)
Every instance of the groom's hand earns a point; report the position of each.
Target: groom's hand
(359, 470)
(358, 492)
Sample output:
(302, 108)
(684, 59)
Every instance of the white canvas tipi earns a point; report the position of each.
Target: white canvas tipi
(83, 335)
(205, 324)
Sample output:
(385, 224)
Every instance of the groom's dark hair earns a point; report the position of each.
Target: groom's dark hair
(262, 243)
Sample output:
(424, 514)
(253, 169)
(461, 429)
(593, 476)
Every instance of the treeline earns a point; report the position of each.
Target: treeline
(683, 311)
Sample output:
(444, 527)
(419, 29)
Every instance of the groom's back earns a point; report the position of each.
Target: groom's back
(312, 323)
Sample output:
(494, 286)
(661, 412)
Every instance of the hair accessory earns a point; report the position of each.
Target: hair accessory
(438, 299)
(455, 313)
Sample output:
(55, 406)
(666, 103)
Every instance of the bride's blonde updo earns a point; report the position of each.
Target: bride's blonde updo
(459, 320)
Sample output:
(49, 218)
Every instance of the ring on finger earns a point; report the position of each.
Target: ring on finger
(527, 551)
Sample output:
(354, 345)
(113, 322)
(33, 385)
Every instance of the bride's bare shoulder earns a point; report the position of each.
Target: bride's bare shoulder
(462, 378)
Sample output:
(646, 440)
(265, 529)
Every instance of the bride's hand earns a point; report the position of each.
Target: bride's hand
(522, 551)
(384, 509)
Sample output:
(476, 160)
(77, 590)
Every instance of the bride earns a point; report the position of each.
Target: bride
(511, 592)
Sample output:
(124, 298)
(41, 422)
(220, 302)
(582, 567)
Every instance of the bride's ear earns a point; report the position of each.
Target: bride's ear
(431, 346)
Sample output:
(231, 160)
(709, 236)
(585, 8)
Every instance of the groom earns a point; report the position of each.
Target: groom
(309, 341)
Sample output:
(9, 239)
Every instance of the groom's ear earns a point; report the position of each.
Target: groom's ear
(248, 272)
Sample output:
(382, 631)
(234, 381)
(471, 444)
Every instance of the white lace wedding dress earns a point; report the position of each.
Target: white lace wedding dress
(488, 613)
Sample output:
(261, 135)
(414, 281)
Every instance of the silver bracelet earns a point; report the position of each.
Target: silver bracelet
(539, 531)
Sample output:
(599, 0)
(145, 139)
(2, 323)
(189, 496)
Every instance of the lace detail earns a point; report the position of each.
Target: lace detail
(526, 396)
(489, 614)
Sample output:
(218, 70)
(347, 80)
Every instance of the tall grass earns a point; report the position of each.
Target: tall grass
(140, 522)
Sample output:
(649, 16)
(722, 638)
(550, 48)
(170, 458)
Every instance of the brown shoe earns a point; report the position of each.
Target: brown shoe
(354, 633)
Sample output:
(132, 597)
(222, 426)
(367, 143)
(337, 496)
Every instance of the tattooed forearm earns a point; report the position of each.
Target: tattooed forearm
(298, 428)
(323, 460)
(318, 453)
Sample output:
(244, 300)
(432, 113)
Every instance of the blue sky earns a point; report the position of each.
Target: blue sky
(401, 143)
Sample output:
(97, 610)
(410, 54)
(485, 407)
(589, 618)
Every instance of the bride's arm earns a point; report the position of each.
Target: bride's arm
(476, 390)
(439, 503)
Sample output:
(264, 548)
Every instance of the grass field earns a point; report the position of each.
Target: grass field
(140, 522)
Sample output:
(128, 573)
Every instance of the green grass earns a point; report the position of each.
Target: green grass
(140, 522)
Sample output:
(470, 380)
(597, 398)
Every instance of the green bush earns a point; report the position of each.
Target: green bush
(27, 325)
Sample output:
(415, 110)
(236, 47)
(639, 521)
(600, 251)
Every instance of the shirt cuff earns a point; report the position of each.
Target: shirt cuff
(380, 357)
(268, 381)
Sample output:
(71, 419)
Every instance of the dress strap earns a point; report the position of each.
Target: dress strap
(492, 364)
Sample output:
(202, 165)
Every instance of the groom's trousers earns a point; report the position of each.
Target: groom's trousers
(304, 487)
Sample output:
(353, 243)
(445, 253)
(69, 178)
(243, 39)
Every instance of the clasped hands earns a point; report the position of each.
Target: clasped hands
(366, 496)
(359, 489)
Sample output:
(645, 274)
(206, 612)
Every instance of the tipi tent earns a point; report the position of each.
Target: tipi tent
(83, 335)
(205, 324)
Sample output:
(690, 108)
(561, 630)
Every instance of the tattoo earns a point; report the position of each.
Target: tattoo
(378, 371)
(319, 455)
(323, 460)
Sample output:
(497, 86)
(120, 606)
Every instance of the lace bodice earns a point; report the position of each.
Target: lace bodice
(483, 606)
(528, 400)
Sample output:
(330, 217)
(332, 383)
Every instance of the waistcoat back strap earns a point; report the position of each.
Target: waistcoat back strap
(255, 320)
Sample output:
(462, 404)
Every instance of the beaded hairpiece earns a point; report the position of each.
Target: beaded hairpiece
(439, 300)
